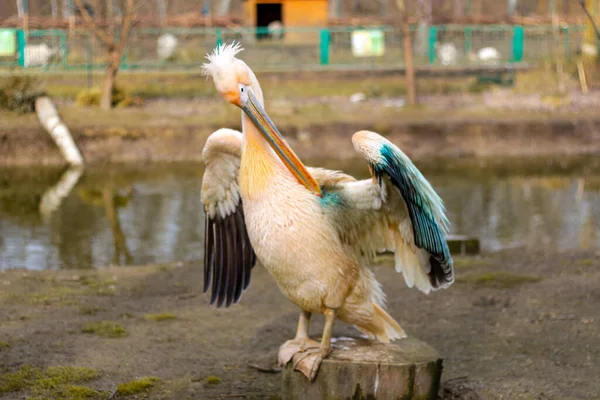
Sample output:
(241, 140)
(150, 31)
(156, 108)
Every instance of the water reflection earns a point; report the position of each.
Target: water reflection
(118, 215)
(535, 212)
(53, 197)
(111, 200)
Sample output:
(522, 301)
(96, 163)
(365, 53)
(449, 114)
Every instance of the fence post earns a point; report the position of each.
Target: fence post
(219, 38)
(123, 65)
(567, 41)
(432, 40)
(468, 40)
(63, 46)
(518, 39)
(324, 46)
(21, 46)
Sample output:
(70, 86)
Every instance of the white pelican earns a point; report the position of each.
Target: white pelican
(166, 45)
(448, 53)
(488, 54)
(311, 228)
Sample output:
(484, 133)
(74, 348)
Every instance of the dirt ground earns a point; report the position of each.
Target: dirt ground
(515, 325)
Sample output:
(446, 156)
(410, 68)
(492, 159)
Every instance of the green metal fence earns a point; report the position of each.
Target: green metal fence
(332, 48)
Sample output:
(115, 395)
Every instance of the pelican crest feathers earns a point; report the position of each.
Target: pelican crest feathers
(221, 57)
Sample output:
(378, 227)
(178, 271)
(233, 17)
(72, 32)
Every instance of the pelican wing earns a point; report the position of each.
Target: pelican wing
(396, 210)
(228, 254)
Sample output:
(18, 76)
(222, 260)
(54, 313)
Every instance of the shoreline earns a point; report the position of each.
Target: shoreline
(29, 145)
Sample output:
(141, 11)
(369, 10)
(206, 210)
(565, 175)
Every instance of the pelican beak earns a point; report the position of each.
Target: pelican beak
(270, 132)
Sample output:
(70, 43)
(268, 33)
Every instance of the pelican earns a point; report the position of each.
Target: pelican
(313, 229)
(448, 53)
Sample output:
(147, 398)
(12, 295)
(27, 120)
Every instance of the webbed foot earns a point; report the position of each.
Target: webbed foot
(292, 347)
(309, 362)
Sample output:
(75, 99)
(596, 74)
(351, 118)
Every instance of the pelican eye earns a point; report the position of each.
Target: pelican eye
(243, 94)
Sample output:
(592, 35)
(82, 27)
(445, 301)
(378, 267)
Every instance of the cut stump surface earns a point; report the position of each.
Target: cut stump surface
(360, 369)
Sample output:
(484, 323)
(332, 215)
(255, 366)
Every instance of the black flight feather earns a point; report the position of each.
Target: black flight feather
(228, 257)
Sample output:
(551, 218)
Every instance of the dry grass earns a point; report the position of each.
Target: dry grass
(195, 86)
(498, 279)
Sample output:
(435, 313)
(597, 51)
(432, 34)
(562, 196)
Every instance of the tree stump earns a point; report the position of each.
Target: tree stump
(360, 369)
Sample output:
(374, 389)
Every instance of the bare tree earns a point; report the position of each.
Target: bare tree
(594, 27)
(113, 43)
(409, 64)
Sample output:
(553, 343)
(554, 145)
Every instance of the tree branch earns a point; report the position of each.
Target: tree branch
(130, 8)
(582, 2)
(128, 15)
(107, 39)
(138, 6)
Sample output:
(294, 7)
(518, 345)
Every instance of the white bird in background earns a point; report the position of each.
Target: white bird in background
(589, 49)
(38, 55)
(275, 29)
(488, 55)
(312, 228)
(447, 53)
(166, 46)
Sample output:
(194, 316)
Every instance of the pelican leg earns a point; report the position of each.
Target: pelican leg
(299, 344)
(309, 362)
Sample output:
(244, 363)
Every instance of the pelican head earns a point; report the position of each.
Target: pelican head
(238, 85)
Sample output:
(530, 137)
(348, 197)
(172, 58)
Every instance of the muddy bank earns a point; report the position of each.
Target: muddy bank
(516, 324)
(28, 144)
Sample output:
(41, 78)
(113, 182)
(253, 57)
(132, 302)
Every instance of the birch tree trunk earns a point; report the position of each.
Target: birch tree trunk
(334, 9)
(161, 7)
(511, 7)
(57, 129)
(223, 7)
(66, 9)
(458, 8)
(54, 8)
(20, 10)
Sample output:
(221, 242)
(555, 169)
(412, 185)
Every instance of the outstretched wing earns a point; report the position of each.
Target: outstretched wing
(397, 210)
(228, 254)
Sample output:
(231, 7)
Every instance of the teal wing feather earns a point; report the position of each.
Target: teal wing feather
(423, 205)
(425, 208)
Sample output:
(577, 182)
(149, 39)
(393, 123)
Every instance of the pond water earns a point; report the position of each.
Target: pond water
(60, 218)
